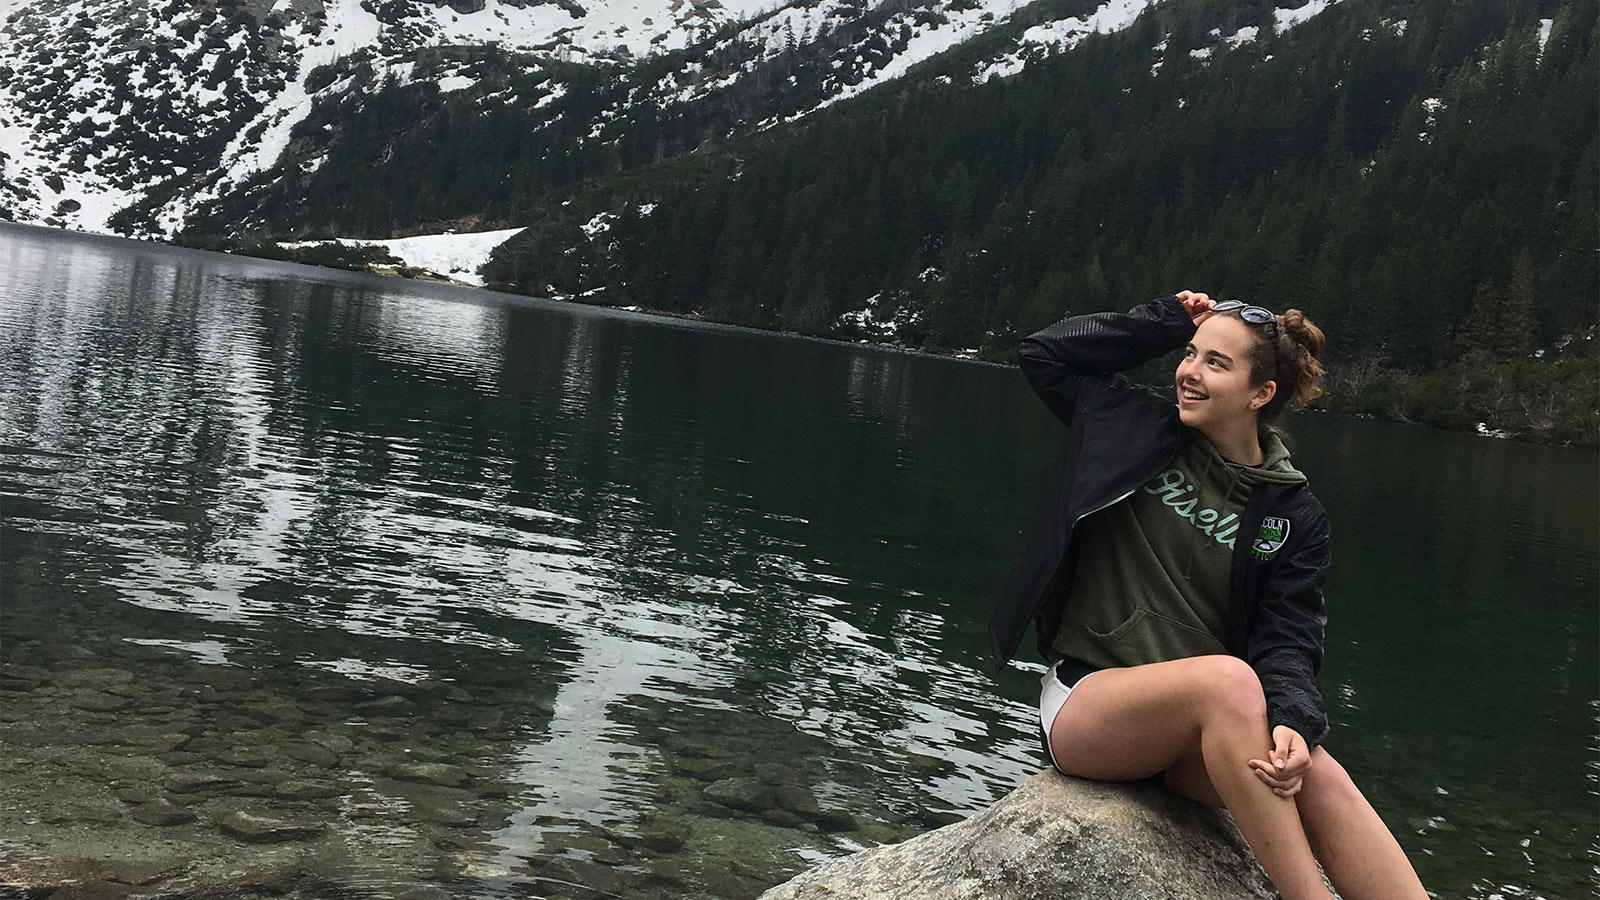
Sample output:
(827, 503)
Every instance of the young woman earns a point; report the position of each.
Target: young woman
(1174, 577)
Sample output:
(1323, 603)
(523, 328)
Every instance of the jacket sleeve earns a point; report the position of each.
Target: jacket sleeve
(1286, 638)
(1061, 359)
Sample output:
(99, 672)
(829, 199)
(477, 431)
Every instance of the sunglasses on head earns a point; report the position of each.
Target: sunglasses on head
(1255, 315)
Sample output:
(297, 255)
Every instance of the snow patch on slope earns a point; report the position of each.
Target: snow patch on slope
(456, 257)
(1285, 19)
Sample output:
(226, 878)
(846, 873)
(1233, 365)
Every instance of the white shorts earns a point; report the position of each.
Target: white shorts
(1052, 696)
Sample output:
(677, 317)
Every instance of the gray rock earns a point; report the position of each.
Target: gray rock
(98, 701)
(593, 848)
(436, 804)
(136, 793)
(486, 720)
(22, 678)
(573, 876)
(431, 773)
(256, 827)
(161, 813)
(782, 818)
(98, 890)
(705, 769)
(338, 743)
(273, 877)
(148, 871)
(836, 820)
(306, 789)
(94, 677)
(745, 792)
(152, 741)
(797, 799)
(390, 705)
(44, 876)
(273, 711)
(199, 782)
(87, 811)
(248, 756)
(665, 836)
(315, 754)
(1055, 837)
(454, 815)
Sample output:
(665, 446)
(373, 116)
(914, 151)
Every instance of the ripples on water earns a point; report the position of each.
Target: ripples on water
(507, 597)
(357, 495)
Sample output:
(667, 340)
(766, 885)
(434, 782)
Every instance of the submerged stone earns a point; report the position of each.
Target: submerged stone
(98, 890)
(275, 711)
(259, 828)
(101, 812)
(137, 793)
(337, 743)
(99, 677)
(199, 782)
(153, 741)
(745, 793)
(161, 813)
(45, 876)
(796, 799)
(438, 805)
(705, 769)
(836, 820)
(658, 837)
(431, 773)
(308, 752)
(782, 818)
(148, 871)
(22, 678)
(300, 789)
(250, 757)
(394, 703)
(486, 720)
(98, 701)
(565, 874)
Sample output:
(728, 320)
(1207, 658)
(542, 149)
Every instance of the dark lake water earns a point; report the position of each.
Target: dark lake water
(334, 585)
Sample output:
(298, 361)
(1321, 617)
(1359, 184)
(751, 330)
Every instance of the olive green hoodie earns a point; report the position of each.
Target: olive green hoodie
(1151, 582)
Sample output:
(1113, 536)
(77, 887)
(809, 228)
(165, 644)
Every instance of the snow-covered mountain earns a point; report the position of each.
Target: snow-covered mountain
(127, 115)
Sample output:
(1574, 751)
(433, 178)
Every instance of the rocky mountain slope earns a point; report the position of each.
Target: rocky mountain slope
(134, 118)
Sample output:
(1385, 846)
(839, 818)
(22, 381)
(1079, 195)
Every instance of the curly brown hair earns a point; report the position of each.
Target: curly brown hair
(1286, 352)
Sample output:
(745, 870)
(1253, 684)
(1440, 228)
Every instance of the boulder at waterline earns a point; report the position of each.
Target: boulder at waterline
(1055, 838)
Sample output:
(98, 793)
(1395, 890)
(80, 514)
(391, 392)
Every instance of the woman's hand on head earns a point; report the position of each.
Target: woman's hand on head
(1197, 305)
(1286, 766)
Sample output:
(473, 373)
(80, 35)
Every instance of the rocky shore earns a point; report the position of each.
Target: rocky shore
(1055, 838)
(134, 769)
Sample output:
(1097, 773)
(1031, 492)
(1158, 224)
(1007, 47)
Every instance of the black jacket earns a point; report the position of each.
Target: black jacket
(1121, 435)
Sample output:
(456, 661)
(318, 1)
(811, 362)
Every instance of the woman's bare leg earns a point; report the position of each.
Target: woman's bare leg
(1188, 777)
(1360, 855)
(1122, 724)
(1357, 851)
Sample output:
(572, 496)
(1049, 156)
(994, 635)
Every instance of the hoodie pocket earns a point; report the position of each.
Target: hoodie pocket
(1116, 634)
(1147, 637)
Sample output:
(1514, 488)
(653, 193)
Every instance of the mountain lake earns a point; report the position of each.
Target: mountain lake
(319, 584)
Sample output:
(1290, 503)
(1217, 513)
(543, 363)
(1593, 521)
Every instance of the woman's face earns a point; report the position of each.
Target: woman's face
(1214, 390)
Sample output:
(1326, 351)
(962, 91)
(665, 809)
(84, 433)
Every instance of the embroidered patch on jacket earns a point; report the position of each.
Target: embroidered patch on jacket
(1274, 531)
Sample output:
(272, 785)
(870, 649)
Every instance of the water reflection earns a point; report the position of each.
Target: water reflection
(505, 595)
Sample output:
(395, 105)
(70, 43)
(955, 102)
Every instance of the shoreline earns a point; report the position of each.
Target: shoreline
(1534, 401)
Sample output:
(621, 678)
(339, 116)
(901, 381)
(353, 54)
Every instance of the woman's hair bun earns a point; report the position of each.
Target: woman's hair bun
(1299, 365)
(1302, 331)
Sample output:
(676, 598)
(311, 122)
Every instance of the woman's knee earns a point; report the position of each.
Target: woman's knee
(1327, 780)
(1230, 688)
